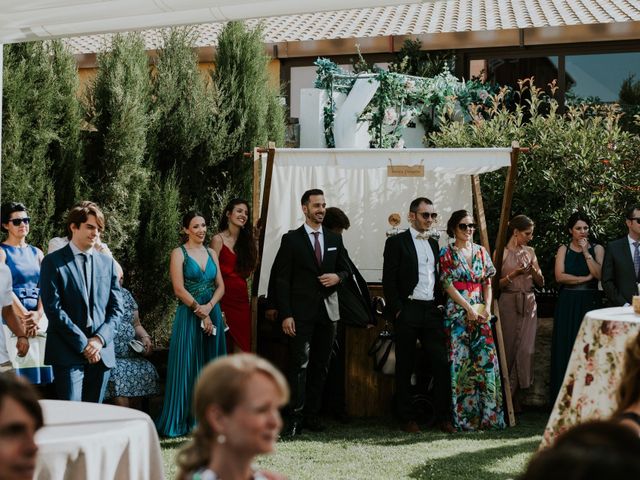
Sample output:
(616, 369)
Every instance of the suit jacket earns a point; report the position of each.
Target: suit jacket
(400, 272)
(299, 293)
(67, 306)
(618, 274)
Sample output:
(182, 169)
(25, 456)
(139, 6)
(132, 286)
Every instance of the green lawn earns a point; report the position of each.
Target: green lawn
(376, 449)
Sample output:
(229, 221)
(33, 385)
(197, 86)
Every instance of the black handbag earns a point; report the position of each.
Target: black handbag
(383, 352)
(354, 300)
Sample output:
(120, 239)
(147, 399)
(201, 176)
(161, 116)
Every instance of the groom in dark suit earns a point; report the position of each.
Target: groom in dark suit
(621, 265)
(81, 298)
(310, 265)
(413, 295)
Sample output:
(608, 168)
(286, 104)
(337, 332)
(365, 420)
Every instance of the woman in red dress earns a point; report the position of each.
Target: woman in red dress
(237, 254)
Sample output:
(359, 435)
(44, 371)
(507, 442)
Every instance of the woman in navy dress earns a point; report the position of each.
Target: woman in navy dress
(198, 330)
(24, 262)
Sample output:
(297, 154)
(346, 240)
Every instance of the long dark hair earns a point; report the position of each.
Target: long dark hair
(245, 248)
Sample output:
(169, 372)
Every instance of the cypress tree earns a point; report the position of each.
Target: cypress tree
(29, 94)
(66, 150)
(159, 234)
(118, 107)
(241, 73)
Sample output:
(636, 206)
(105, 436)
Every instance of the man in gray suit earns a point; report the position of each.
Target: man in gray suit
(621, 266)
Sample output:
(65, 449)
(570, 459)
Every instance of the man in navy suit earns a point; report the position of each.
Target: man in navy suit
(310, 264)
(81, 298)
(413, 296)
(621, 265)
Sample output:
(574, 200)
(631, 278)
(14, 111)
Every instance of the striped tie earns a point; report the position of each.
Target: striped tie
(636, 259)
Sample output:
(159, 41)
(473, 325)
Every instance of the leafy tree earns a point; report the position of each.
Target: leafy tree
(118, 107)
(583, 160)
(412, 60)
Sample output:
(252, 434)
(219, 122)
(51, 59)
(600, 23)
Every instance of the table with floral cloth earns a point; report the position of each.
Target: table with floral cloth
(595, 368)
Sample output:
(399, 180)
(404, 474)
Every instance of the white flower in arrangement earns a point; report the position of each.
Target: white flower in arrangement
(410, 85)
(483, 95)
(405, 119)
(400, 143)
(390, 116)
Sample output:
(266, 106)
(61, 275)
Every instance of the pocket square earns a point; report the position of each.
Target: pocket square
(331, 249)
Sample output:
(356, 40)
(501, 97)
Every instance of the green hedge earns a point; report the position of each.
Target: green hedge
(582, 160)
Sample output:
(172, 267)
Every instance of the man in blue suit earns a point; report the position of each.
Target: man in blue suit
(81, 298)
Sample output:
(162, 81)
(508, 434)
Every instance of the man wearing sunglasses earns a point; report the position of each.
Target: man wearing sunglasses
(621, 265)
(413, 294)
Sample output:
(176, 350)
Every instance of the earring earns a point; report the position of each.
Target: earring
(221, 439)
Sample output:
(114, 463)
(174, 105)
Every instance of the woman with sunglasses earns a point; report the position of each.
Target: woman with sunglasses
(518, 309)
(24, 262)
(577, 270)
(465, 271)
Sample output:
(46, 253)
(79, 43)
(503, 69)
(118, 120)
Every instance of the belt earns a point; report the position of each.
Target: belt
(424, 302)
(467, 286)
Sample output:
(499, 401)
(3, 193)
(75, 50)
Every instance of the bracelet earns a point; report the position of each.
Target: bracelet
(23, 336)
(145, 336)
(193, 305)
(589, 257)
(508, 278)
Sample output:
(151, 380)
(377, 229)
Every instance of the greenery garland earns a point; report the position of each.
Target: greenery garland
(402, 99)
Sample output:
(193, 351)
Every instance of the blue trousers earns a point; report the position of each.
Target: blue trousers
(81, 383)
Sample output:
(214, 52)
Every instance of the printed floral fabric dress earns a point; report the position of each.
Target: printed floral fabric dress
(475, 373)
(133, 375)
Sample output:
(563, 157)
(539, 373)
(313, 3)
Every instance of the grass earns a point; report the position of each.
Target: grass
(376, 449)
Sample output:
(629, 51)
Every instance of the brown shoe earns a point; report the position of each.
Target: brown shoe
(411, 427)
(446, 427)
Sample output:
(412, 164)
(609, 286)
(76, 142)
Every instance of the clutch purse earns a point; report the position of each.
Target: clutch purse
(136, 346)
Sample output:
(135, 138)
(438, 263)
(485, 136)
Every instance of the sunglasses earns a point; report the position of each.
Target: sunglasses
(17, 221)
(466, 226)
(426, 215)
(637, 219)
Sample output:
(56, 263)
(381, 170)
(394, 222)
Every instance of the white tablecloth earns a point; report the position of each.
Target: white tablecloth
(594, 371)
(89, 441)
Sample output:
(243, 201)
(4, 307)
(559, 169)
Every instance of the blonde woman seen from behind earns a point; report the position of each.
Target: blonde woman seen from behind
(628, 394)
(237, 407)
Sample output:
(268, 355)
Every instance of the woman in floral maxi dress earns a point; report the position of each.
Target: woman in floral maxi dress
(466, 271)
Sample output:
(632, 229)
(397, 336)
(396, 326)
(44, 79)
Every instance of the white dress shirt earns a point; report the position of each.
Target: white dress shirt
(426, 265)
(6, 299)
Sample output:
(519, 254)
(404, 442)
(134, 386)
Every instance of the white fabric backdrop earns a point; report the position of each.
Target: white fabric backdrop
(356, 181)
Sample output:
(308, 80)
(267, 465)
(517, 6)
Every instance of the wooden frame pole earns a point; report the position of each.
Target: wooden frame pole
(478, 206)
(261, 223)
(505, 212)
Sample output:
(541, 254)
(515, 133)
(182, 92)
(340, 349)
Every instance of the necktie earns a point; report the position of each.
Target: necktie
(317, 249)
(85, 273)
(636, 258)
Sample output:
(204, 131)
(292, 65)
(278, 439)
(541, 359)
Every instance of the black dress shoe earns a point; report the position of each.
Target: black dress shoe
(291, 429)
(314, 424)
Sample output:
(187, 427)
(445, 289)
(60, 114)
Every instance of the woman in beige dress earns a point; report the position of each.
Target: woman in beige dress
(518, 310)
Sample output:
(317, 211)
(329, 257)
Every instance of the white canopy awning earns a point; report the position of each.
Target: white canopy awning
(356, 181)
(22, 20)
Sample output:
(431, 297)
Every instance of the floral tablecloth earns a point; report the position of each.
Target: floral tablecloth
(595, 367)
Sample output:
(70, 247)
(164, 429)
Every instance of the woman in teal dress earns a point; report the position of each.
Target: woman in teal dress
(198, 329)
(577, 270)
(466, 270)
